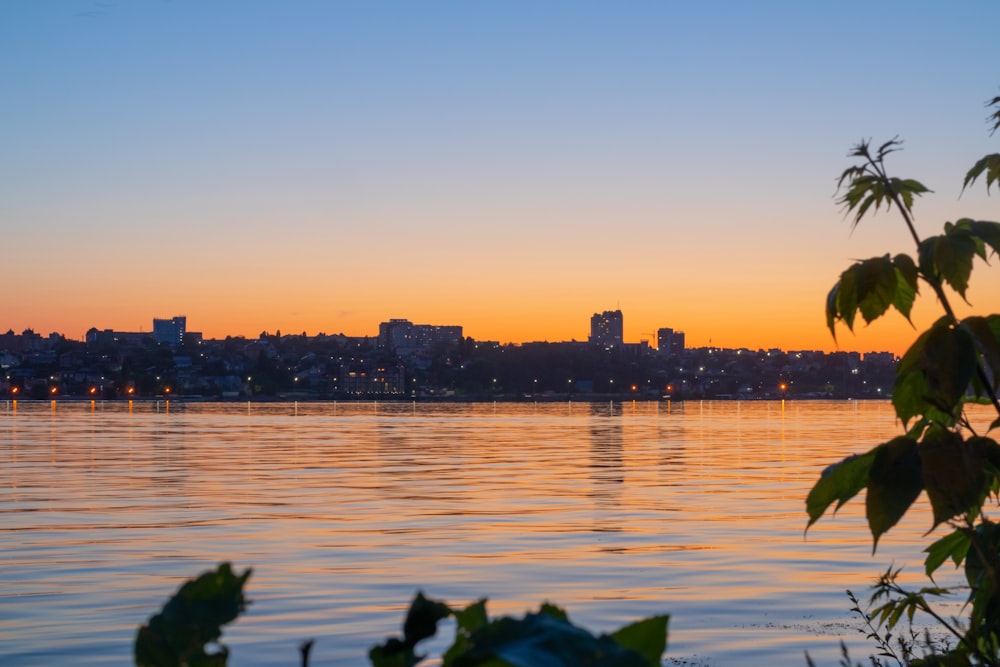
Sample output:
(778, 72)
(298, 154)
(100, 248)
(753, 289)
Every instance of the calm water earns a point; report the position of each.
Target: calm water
(345, 510)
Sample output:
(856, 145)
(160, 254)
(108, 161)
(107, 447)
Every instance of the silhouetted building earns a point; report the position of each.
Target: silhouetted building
(170, 331)
(110, 337)
(669, 342)
(396, 333)
(606, 329)
(405, 338)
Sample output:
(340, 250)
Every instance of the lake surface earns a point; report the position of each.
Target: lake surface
(344, 510)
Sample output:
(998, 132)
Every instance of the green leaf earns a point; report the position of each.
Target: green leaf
(910, 386)
(876, 280)
(987, 535)
(866, 186)
(963, 227)
(871, 287)
(191, 619)
(894, 482)
(647, 637)
(906, 189)
(953, 473)
(985, 332)
(468, 620)
(954, 545)
(393, 653)
(934, 374)
(989, 451)
(995, 116)
(948, 257)
(831, 309)
(422, 619)
(949, 365)
(988, 232)
(847, 297)
(906, 284)
(472, 617)
(989, 164)
(421, 622)
(552, 610)
(838, 483)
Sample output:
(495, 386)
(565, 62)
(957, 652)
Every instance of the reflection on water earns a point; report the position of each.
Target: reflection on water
(616, 511)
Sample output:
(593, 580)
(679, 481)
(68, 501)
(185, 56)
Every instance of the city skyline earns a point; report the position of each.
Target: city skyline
(604, 332)
(509, 166)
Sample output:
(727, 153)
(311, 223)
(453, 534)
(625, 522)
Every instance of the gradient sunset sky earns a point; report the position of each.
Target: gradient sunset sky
(510, 166)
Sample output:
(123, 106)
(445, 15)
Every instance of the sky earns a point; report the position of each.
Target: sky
(509, 166)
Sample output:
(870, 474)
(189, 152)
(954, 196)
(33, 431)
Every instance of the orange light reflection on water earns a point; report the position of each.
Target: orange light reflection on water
(615, 510)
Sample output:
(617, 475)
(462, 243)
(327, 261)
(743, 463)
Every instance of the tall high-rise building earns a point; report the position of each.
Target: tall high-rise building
(606, 329)
(170, 331)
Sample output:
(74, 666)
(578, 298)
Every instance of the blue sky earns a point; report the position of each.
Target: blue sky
(509, 166)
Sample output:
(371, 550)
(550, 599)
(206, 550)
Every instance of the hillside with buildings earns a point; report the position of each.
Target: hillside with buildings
(422, 361)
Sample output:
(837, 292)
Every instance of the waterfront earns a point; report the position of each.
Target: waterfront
(615, 511)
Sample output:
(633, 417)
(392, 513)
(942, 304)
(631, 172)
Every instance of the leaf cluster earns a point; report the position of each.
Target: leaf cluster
(953, 363)
(546, 637)
(190, 621)
(989, 164)
(956, 474)
(866, 184)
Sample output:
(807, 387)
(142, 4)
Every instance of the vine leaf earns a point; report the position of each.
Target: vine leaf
(985, 331)
(868, 189)
(995, 116)
(986, 231)
(954, 545)
(421, 622)
(948, 257)
(839, 483)
(647, 637)
(467, 621)
(548, 638)
(894, 482)
(934, 374)
(989, 164)
(192, 621)
(953, 473)
(871, 287)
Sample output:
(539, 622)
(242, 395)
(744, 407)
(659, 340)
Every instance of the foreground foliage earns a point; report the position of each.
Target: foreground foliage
(191, 622)
(954, 363)
(546, 637)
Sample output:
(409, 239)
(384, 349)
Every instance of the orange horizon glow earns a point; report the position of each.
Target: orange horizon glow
(736, 302)
(794, 321)
(893, 334)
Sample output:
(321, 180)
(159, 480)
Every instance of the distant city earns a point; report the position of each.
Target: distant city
(421, 361)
